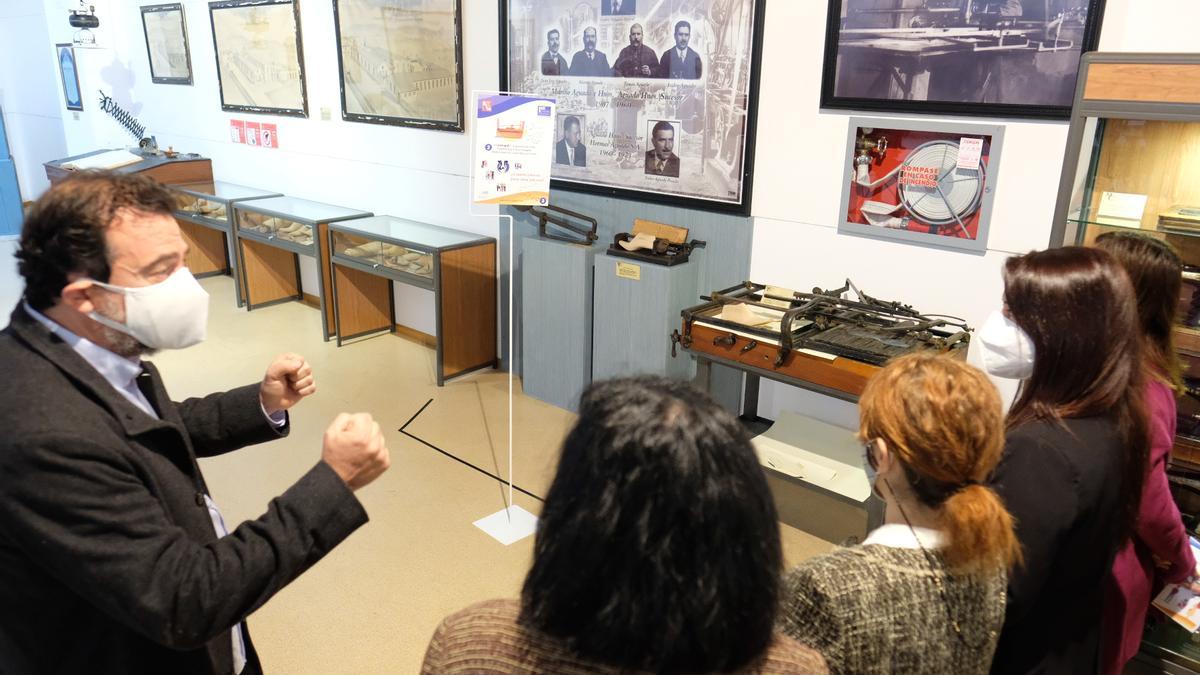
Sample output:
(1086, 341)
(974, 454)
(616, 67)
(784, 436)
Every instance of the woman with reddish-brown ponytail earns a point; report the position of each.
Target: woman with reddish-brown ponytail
(1156, 272)
(925, 592)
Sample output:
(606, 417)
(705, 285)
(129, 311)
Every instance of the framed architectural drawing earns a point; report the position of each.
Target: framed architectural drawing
(929, 183)
(400, 62)
(997, 58)
(167, 44)
(660, 97)
(260, 59)
(68, 72)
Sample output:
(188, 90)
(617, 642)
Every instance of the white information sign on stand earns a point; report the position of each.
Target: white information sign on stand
(514, 145)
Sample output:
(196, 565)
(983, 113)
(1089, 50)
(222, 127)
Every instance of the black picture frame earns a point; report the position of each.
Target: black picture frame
(416, 122)
(740, 207)
(224, 5)
(187, 53)
(67, 51)
(1088, 40)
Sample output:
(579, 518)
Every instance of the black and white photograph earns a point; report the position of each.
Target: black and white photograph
(401, 62)
(661, 159)
(570, 147)
(1016, 58)
(167, 44)
(260, 65)
(621, 68)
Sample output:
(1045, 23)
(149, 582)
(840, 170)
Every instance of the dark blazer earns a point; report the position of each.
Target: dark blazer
(671, 169)
(690, 68)
(108, 558)
(560, 153)
(597, 66)
(631, 59)
(627, 7)
(554, 64)
(1062, 484)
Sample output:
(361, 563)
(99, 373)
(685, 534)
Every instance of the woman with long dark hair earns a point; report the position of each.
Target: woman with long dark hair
(925, 592)
(1075, 450)
(657, 550)
(1157, 275)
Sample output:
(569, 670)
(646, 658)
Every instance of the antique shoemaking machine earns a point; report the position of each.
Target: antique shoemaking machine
(820, 338)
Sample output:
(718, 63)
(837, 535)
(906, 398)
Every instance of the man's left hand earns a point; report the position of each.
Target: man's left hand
(289, 378)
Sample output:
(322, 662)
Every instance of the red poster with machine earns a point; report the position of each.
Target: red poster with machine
(927, 182)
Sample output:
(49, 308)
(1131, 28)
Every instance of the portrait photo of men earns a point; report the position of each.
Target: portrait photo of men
(682, 62)
(570, 150)
(618, 7)
(660, 158)
(553, 63)
(636, 60)
(589, 61)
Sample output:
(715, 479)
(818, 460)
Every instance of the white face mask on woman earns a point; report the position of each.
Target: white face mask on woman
(171, 314)
(1007, 350)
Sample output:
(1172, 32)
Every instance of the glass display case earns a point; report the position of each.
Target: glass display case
(1133, 163)
(368, 255)
(272, 233)
(203, 211)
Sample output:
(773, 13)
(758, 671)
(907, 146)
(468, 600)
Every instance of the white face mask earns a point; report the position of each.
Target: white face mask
(1007, 350)
(171, 314)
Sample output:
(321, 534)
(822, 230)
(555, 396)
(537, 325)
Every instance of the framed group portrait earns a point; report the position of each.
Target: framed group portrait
(400, 62)
(995, 58)
(167, 44)
(926, 183)
(260, 58)
(657, 99)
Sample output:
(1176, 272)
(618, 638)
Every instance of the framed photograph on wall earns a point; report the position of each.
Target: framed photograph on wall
(260, 57)
(626, 71)
(400, 62)
(167, 44)
(996, 58)
(68, 72)
(927, 183)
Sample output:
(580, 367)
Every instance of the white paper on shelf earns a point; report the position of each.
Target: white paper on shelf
(112, 159)
(1121, 209)
(815, 452)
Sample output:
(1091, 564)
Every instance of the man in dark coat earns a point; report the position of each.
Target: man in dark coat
(636, 60)
(589, 61)
(113, 556)
(553, 63)
(682, 62)
(661, 160)
(569, 150)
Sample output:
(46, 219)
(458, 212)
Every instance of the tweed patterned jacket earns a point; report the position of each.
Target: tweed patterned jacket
(877, 609)
(486, 638)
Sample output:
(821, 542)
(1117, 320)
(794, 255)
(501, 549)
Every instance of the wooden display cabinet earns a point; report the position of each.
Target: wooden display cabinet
(368, 254)
(271, 234)
(1133, 162)
(182, 168)
(204, 212)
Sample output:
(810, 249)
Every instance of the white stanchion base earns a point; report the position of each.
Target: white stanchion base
(509, 525)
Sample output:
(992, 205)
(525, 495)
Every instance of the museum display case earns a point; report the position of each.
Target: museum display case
(368, 254)
(1133, 163)
(272, 233)
(204, 212)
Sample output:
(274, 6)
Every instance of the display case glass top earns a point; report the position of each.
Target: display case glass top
(223, 191)
(301, 210)
(410, 233)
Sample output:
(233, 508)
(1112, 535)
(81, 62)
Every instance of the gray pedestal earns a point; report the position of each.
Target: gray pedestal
(556, 320)
(634, 318)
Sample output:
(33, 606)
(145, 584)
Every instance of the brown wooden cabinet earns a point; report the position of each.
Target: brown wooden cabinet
(368, 254)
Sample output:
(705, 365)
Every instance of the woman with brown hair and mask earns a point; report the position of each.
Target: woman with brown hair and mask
(1159, 536)
(925, 592)
(1075, 451)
